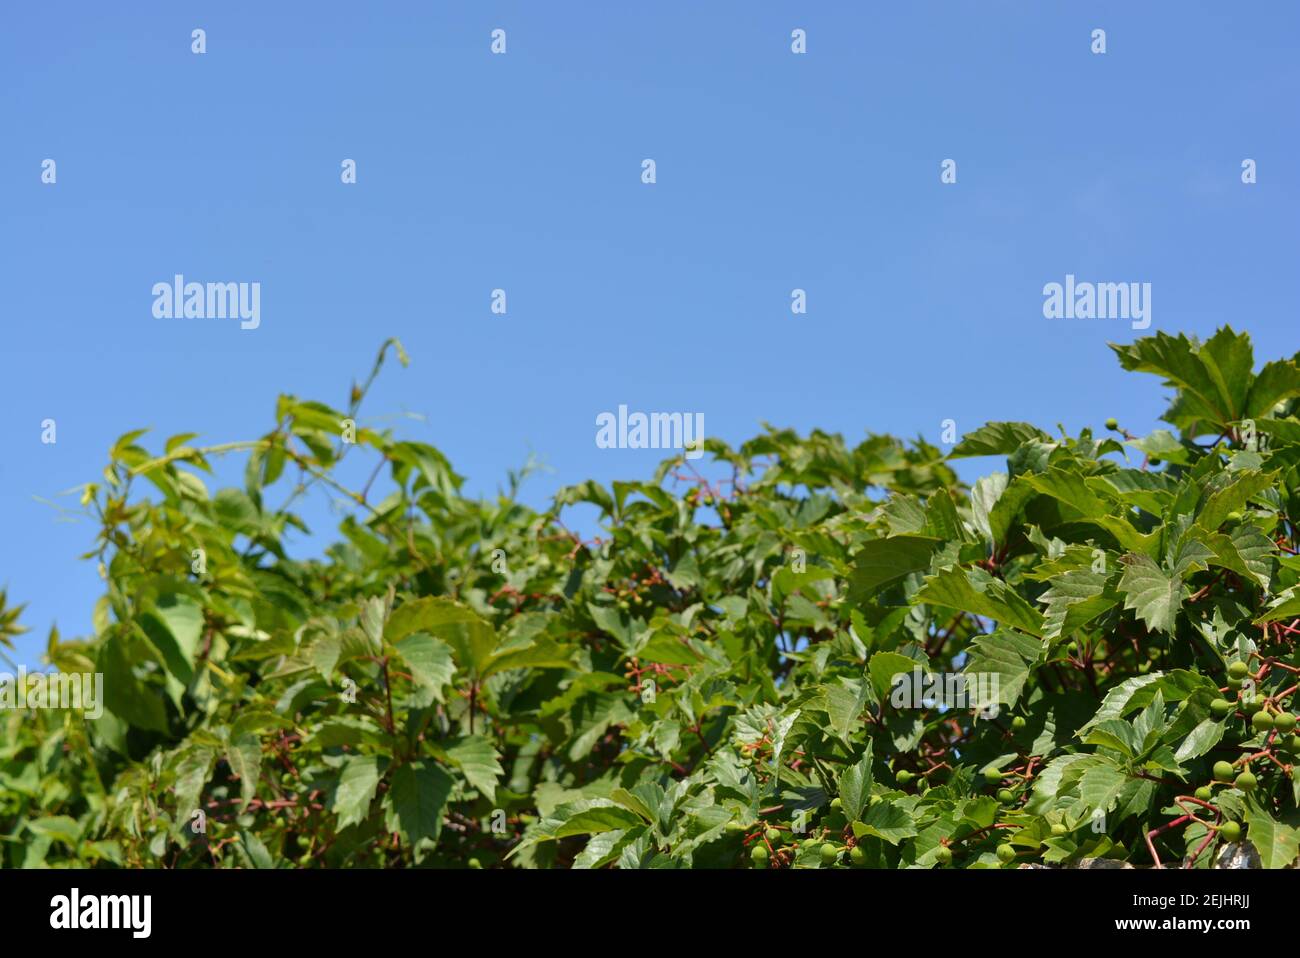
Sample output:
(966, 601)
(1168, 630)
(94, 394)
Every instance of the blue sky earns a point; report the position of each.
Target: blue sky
(522, 171)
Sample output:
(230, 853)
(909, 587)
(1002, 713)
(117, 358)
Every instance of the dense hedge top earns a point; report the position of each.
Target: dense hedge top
(461, 682)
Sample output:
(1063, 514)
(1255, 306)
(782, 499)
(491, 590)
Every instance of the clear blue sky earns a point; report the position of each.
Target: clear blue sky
(522, 171)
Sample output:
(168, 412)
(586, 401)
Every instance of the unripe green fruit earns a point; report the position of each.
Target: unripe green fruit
(1284, 722)
(1144, 667)
(286, 779)
(1018, 723)
(1222, 772)
(758, 856)
(475, 863)
(1230, 831)
(1220, 708)
(1234, 516)
(836, 804)
(1238, 670)
(1006, 796)
(829, 854)
(1234, 683)
(858, 857)
(1293, 742)
(305, 860)
(1246, 782)
(304, 841)
(904, 777)
(1112, 424)
(1261, 721)
(943, 855)
(1006, 854)
(992, 776)
(1072, 648)
(773, 836)
(1205, 793)
(1153, 653)
(1059, 829)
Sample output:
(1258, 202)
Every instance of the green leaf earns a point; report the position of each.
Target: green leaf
(472, 639)
(887, 821)
(1277, 844)
(1007, 656)
(356, 789)
(244, 755)
(977, 592)
(996, 439)
(1154, 595)
(414, 805)
(884, 666)
(880, 561)
(1200, 740)
(478, 759)
(1074, 599)
(175, 626)
(855, 785)
(429, 660)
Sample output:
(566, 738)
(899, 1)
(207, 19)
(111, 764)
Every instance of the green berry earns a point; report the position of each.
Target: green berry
(1261, 721)
(475, 863)
(1220, 708)
(1205, 793)
(305, 860)
(829, 854)
(1112, 424)
(1059, 829)
(1230, 831)
(904, 777)
(773, 836)
(758, 855)
(1018, 723)
(1293, 743)
(943, 855)
(304, 841)
(1238, 670)
(1234, 683)
(1006, 854)
(1284, 722)
(992, 776)
(836, 804)
(1254, 705)
(1246, 782)
(858, 857)
(1223, 772)
(1006, 796)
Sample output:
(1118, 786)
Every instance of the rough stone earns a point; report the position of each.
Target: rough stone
(1238, 855)
(1093, 863)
